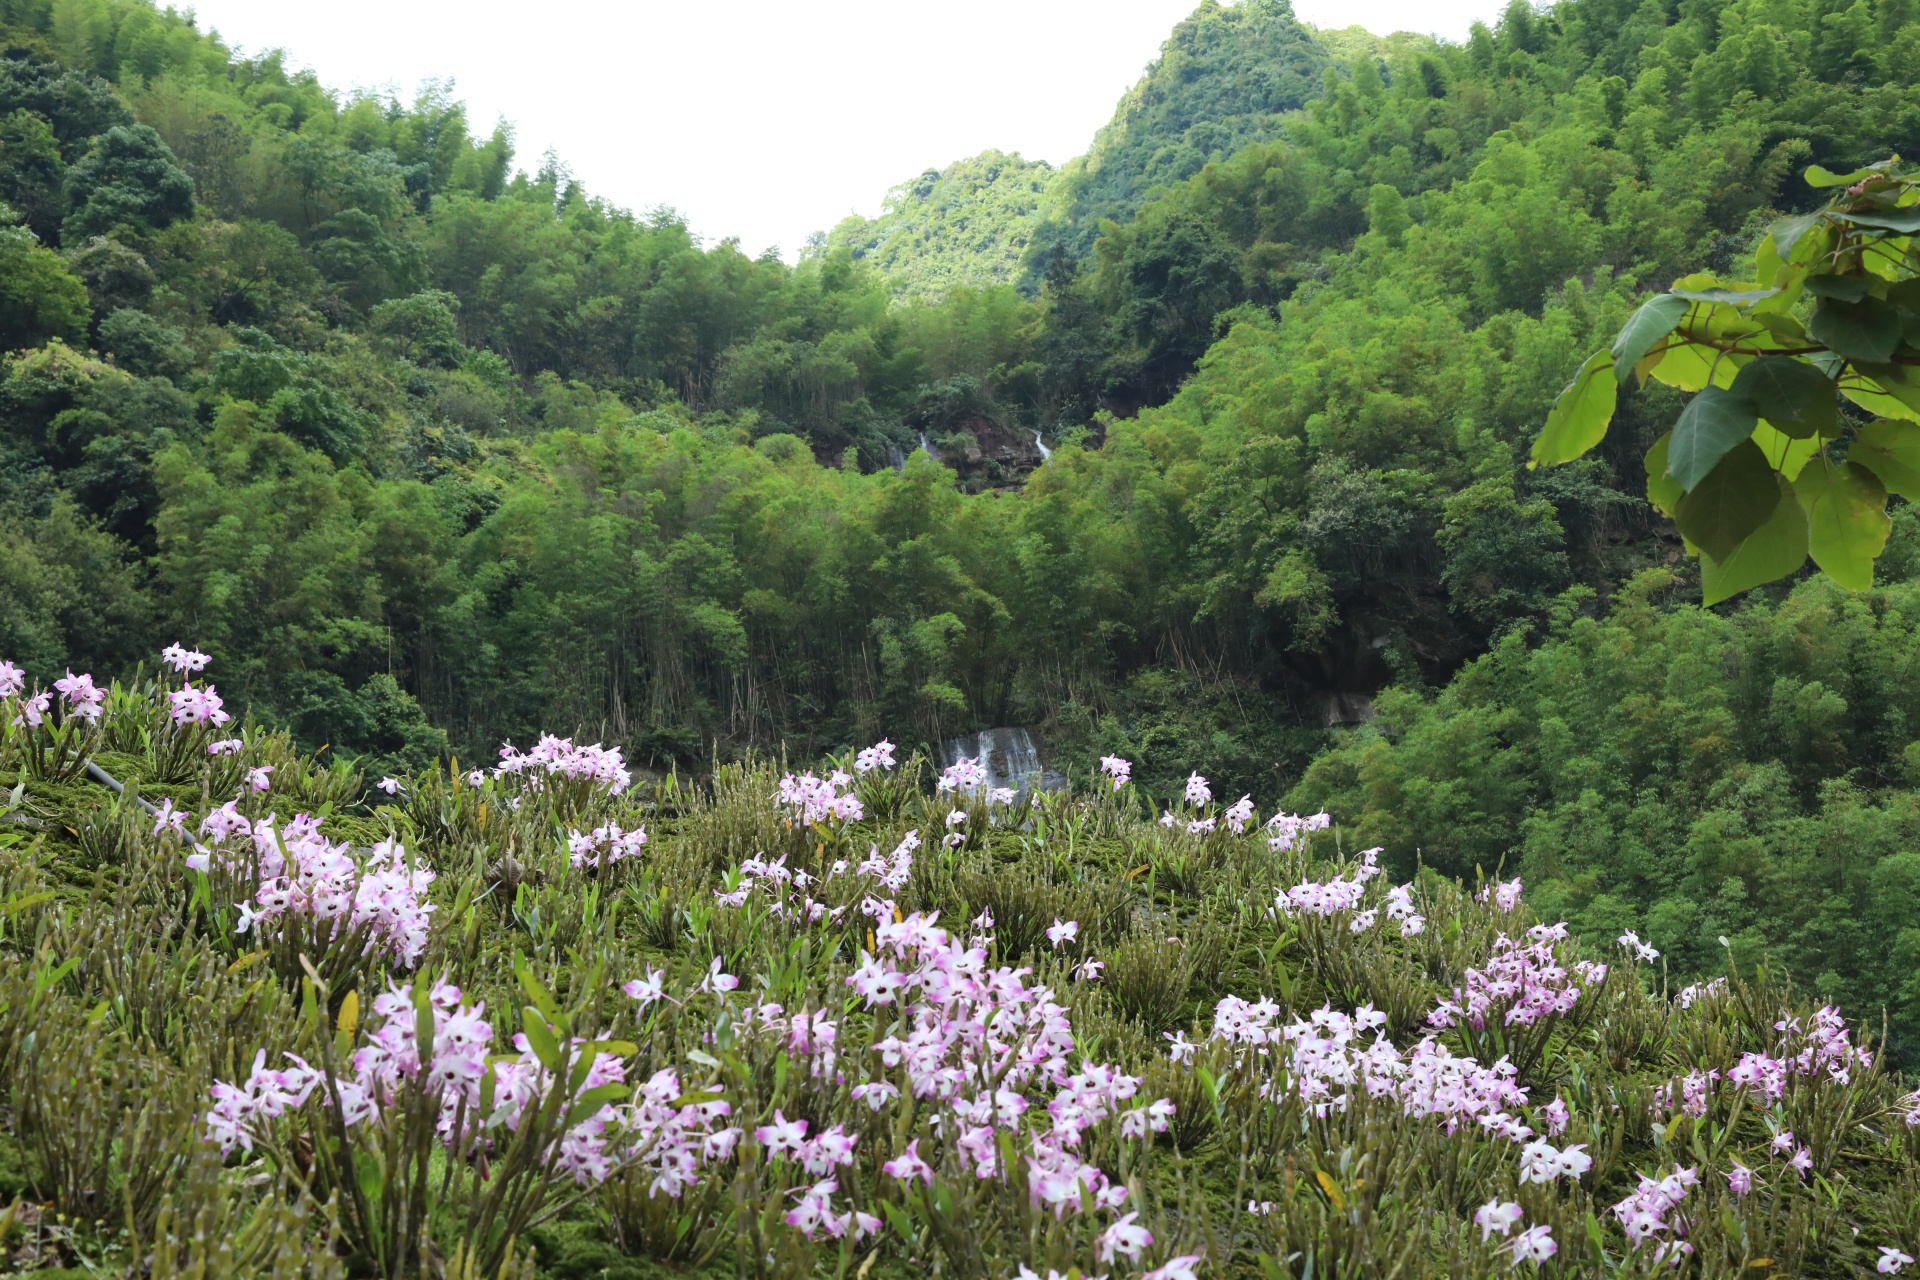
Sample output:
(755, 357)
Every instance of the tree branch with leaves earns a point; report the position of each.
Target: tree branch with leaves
(1806, 380)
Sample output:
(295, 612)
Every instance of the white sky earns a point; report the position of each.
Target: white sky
(764, 119)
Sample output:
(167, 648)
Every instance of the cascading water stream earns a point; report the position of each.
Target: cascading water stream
(1009, 756)
(1041, 445)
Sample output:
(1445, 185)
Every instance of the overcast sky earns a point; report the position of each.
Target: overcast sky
(764, 119)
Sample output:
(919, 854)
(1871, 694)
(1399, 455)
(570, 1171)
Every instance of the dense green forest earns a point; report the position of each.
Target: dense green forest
(430, 451)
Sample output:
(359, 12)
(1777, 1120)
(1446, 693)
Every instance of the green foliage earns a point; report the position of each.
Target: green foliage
(40, 301)
(128, 179)
(68, 596)
(382, 407)
(967, 224)
(1225, 77)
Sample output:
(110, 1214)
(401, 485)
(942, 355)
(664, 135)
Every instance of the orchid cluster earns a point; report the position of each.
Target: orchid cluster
(1644, 1215)
(879, 757)
(1326, 1059)
(184, 661)
(1503, 894)
(1535, 1244)
(554, 757)
(965, 776)
(1823, 1048)
(299, 873)
(1521, 983)
(198, 706)
(786, 889)
(816, 800)
(776, 879)
(1695, 992)
(1286, 831)
(976, 1040)
(1344, 895)
(1630, 943)
(81, 698)
(604, 845)
(652, 1129)
(1117, 770)
(971, 1041)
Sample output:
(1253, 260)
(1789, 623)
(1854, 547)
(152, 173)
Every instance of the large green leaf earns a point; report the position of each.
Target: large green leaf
(1798, 399)
(1785, 454)
(1785, 329)
(1865, 330)
(1713, 422)
(1738, 295)
(1663, 491)
(540, 1038)
(1847, 523)
(1820, 176)
(1730, 502)
(1692, 366)
(1905, 221)
(1653, 321)
(1787, 232)
(1845, 288)
(1891, 398)
(1772, 551)
(1891, 450)
(1579, 418)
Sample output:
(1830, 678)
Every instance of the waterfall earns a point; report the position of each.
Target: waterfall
(931, 452)
(1008, 755)
(895, 459)
(1041, 445)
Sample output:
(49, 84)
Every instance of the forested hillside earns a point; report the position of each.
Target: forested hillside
(967, 224)
(430, 451)
(1225, 77)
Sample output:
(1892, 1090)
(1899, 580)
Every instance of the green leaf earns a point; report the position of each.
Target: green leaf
(1905, 221)
(698, 1097)
(1663, 491)
(21, 904)
(1845, 288)
(1785, 454)
(1774, 550)
(1653, 321)
(1865, 330)
(1692, 366)
(1725, 293)
(1798, 399)
(1785, 329)
(1579, 418)
(1883, 390)
(1713, 422)
(540, 1038)
(590, 1102)
(1730, 502)
(1891, 450)
(1787, 232)
(1847, 522)
(372, 1180)
(900, 1222)
(1821, 176)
